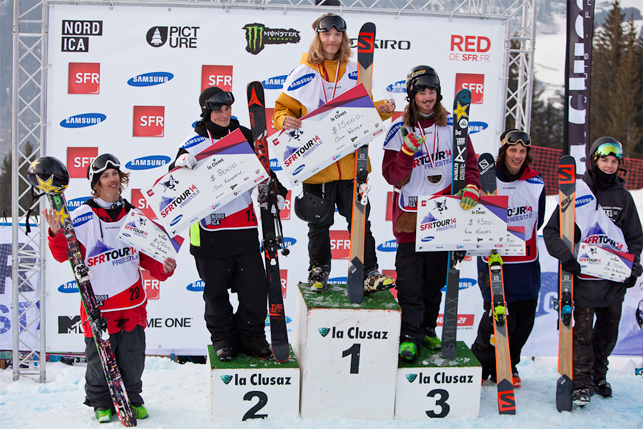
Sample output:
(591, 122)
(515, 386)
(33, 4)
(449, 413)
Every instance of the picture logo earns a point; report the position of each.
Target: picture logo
(150, 79)
(84, 78)
(78, 159)
(83, 120)
(258, 36)
(220, 76)
(75, 35)
(149, 121)
(178, 37)
(472, 81)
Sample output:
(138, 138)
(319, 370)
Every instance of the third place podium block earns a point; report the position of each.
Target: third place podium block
(347, 353)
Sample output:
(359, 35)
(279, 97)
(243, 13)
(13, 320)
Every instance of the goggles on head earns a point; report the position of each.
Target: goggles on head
(102, 163)
(218, 100)
(326, 23)
(514, 137)
(610, 149)
(425, 81)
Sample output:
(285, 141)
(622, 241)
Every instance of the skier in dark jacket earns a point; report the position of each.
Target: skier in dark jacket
(521, 274)
(605, 215)
(225, 244)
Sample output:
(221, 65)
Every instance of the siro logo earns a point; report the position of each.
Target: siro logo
(411, 377)
(193, 142)
(398, 87)
(219, 76)
(179, 37)
(298, 169)
(427, 239)
(392, 131)
(176, 220)
(388, 246)
(150, 79)
(75, 203)
(75, 35)
(402, 45)
(78, 159)
(226, 379)
(301, 81)
(585, 199)
(83, 78)
(473, 82)
(353, 75)
(148, 162)
(258, 36)
(276, 82)
(197, 286)
(148, 121)
(81, 220)
(274, 165)
(83, 120)
(69, 287)
(323, 331)
(476, 127)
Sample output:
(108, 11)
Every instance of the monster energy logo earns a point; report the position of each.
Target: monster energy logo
(258, 36)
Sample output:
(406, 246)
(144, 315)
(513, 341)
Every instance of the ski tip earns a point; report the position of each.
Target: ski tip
(564, 394)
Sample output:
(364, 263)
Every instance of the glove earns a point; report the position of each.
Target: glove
(470, 195)
(572, 266)
(636, 272)
(186, 160)
(411, 142)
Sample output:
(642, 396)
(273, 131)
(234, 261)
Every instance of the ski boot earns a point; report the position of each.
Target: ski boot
(318, 277)
(515, 378)
(408, 349)
(602, 388)
(581, 397)
(140, 412)
(374, 281)
(225, 354)
(431, 340)
(103, 414)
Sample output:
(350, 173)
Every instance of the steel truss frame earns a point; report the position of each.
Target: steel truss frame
(30, 30)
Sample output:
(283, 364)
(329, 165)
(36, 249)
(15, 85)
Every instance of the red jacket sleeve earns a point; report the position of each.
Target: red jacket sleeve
(472, 174)
(154, 267)
(58, 246)
(396, 166)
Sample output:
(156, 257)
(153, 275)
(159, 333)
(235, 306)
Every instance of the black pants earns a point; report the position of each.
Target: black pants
(340, 193)
(593, 342)
(245, 275)
(520, 322)
(129, 350)
(420, 278)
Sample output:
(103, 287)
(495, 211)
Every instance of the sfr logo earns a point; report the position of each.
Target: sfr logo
(473, 82)
(220, 76)
(149, 121)
(78, 159)
(84, 78)
(340, 244)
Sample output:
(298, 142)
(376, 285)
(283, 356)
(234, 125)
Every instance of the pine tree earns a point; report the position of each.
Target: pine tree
(628, 81)
(5, 181)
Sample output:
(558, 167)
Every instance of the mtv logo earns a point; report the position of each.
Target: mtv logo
(69, 325)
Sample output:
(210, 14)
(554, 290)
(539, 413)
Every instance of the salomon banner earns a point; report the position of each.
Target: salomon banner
(578, 70)
(126, 80)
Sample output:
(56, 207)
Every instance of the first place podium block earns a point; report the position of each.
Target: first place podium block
(250, 388)
(434, 387)
(347, 352)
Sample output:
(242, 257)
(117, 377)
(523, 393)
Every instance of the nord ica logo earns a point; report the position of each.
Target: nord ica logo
(179, 37)
(150, 79)
(301, 81)
(75, 35)
(83, 120)
(148, 162)
(276, 82)
(258, 36)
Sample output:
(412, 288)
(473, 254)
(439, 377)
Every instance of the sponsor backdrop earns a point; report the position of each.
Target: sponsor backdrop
(126, 80)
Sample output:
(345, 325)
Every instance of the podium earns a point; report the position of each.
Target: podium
(250, 388)
(434, 387)
(347, 352)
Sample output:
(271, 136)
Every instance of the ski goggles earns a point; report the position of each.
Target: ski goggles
(102, 163)
(425, 81)
(218, 100)
(514, 137)
(326, 23)
(610, 149)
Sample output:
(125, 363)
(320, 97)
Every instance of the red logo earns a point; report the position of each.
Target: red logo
(340, 244)
(463, 319)
(220, 76)
(473, 82)
(469, 48)
(149, 121)
(78, 159)
(285, 213)
(389, 205)
(84, 78)
(139, 201)
(152, 286)
(284, 282)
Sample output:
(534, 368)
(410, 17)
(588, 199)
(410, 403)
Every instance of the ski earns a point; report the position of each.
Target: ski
(460, 132)
(97, 323)
(567, 208)
(273, 238)
(355, 279)
(487, 167)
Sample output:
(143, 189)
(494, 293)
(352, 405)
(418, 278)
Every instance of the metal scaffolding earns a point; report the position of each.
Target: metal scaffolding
(30, 30)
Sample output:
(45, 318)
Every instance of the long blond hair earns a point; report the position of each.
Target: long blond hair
(315, 52)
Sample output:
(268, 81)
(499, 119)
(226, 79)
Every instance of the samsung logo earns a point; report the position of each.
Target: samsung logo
(150, 79)
(274, 165)
(125, 234)
(69, 287)
(83, 120)
(398, 87)
(392, 131)
(353, 75)
(289, 241)
(581, 201)
(389, 246)
(75, 203)
(197, 286)
(193, 141)
(338, 281)
(147, 162)
(476, 127)
(464, 284)
(301, 81)
(80, 220)
(427, 239)
(276, 82)
(176, 220)
(298, 170)
(537, 180)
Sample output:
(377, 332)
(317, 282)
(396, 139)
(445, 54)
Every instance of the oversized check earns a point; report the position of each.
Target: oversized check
(606, 264)
(327, 134)
(148, 237)
(224, 170)
(514, 246)
(443, 225)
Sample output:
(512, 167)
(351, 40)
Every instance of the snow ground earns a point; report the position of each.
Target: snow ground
(176, 397)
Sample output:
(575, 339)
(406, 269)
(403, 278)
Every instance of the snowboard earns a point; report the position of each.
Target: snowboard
(273, 239)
